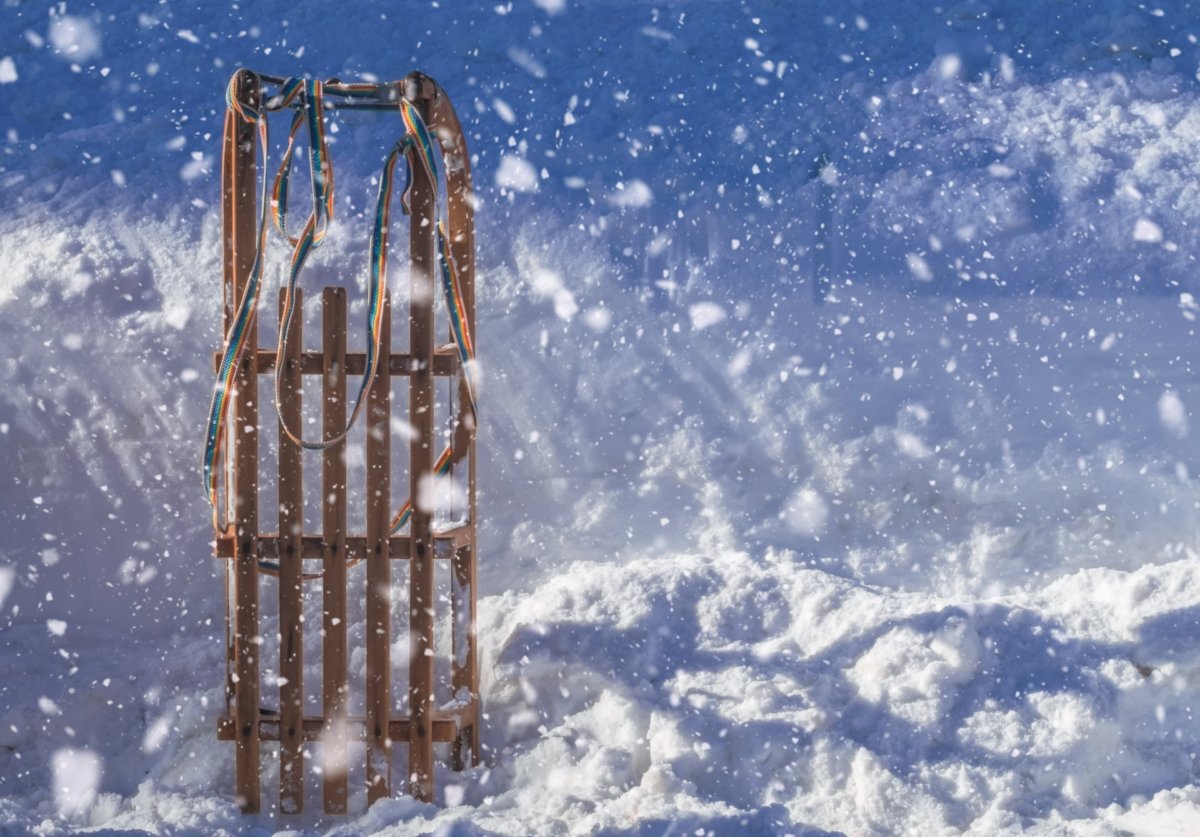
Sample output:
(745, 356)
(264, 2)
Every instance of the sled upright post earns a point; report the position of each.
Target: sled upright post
(238, 221)
(334, 551)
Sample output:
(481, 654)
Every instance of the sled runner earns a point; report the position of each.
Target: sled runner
(353, 385)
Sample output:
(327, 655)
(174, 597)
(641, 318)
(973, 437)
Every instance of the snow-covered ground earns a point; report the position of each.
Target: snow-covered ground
(838, 471)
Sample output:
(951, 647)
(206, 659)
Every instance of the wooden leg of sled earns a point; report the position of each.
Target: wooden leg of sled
(228, 148)
(240, 229)
(291, 530)
(460, 207)
(465, 668)
(335, 686)
(465, 675)
(421, 449)
(379, 575)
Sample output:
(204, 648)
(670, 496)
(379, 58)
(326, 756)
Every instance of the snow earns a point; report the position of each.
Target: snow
(1173, 414)
(706, 315)
(74, 38)
(632, 195)
(837, 469)
(807, 512)
(1147, 231)
(516, 174)
(77, 776)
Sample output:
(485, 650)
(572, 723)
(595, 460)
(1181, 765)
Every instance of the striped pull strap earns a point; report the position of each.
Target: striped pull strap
(451, 291)
(417, 147)
(235, 340)
(311, 237)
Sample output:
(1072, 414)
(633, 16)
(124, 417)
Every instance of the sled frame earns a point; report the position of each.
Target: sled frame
(246, 720)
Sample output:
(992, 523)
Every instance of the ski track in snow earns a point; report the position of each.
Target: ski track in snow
(916, 553)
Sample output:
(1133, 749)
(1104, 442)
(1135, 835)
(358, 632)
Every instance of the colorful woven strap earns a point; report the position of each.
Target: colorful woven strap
(417, 147)
(235, 340)
(451, 287)
(288, 93)
(451, 291)
(311, 237)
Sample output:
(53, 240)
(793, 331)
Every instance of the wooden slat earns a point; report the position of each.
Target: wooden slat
(239, 205)
(471, 675)
(471, 539)
(445, 362)
(332, 549)
(354, 547)
(460, 202)
(465, 660)
(291, 530)
(228, 156)
(446, 725)
(379, 574)
(461, 208)
(421, 256)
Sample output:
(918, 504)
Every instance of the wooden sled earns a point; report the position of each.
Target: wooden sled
(348, 535)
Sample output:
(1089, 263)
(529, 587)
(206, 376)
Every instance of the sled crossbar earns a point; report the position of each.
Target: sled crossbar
(445, 362)
(355, 547)
(270, 546)
(446, 726)
(384, 96)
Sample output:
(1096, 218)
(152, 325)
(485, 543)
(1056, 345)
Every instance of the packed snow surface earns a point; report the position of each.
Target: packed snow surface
(836, 373)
